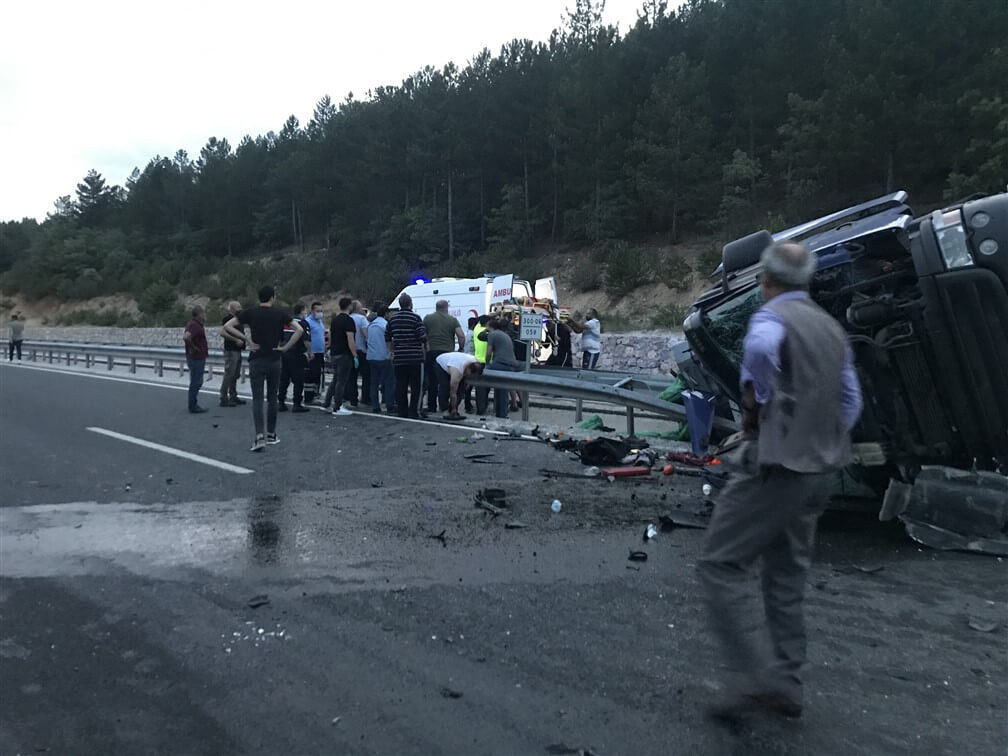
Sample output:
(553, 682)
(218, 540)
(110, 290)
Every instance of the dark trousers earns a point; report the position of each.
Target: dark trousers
(431, 370)
(264, 376)
(313, 377)
(342, 369)
(443, 378)
(765, 514)
(363, 373)
(292, 370)
(196, 368)
(14, 346)
(383, 378)
(589, 360)
(407, 378)
(502, 401)
(232, 371)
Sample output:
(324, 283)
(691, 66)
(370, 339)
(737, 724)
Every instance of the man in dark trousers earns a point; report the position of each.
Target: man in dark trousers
(197, 350)
(294, 363)
(232, 361)
(800, 399)
(16, 327)
(343, 349)
(443, 331)
(266, 326)
(316, 365)
(407, 337)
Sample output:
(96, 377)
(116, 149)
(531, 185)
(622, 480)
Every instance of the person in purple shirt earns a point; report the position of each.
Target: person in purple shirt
(800, 400)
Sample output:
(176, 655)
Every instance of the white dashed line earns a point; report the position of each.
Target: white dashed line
(175, 452)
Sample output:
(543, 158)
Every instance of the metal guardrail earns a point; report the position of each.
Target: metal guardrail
(634, 392)
(531, 383)
(134, 357)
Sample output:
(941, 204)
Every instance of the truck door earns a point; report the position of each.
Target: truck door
(546, 288)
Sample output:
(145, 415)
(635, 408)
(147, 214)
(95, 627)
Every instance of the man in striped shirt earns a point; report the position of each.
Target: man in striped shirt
(407, 339)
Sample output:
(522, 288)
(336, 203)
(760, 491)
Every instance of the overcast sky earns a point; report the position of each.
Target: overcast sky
(108, 84)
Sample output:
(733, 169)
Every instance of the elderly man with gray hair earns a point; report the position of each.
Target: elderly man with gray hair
(232, 361)
(800, 400)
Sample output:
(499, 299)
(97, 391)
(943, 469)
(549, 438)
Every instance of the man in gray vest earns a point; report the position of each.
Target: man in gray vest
(800, 399)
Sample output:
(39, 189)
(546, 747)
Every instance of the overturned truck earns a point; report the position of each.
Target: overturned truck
(924, 301)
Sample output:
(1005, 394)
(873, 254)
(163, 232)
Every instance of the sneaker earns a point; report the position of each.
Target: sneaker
(259, 444)
(300, 408)
(271, 439)
(342, 412)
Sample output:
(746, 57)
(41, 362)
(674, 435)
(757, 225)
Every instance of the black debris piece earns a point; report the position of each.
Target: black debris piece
(256, 601)
(377, 483)
(681, 520)
(637, 556)
(440, 537)
(431, 443)
(515, 525)
(450, 693)
(169, 481)
(478, 455)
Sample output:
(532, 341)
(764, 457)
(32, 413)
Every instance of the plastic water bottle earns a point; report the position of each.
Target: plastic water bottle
(556, 506)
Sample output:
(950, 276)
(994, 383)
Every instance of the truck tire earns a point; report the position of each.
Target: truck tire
(744, 252)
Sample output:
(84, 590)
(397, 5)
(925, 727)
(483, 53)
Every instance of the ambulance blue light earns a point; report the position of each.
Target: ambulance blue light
(419, 281)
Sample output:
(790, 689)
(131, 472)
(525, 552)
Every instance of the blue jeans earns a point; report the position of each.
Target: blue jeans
(502, 396)
(196, 368)
(382, 377)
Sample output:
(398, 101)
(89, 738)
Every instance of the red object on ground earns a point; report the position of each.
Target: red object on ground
(625, 472)
(668, 469)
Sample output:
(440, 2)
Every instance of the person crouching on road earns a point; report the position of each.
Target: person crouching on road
(295, 362)
(500, 357)
(343, 348)
(800, 399)
(266, 327)
(232, 361)
(197, 350)
(316, 365)
(454, 365)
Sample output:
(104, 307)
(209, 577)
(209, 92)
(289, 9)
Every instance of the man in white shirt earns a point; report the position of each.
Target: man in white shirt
(459, 367)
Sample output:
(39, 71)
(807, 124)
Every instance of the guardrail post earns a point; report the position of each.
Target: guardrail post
(111, 361)
(68, 358)
(34, 356)
(630, 422)
(159, 366)
(181, 370)
(87, 360)
(132, 364)
(578, 410)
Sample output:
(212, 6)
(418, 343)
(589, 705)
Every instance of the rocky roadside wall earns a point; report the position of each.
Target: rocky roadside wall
(634, 352)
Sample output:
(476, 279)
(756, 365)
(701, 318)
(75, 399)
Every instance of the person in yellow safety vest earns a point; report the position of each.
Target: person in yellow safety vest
(479, 351)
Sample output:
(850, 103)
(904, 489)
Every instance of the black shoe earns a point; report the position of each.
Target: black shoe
(300, 408)
(226, 403)
(271, 439)
(423, 415)
(469, 409)
(281, 408)
(236, 402)
(259, 444)
(197, 410)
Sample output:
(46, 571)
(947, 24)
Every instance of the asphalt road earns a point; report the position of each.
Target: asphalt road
(127, 572)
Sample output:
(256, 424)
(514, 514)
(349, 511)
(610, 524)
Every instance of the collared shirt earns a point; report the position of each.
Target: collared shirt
(761, 359)
(318, 331)
(196, 347)
(361, 322)
(591, 337)
(377, 349)
(407, 334)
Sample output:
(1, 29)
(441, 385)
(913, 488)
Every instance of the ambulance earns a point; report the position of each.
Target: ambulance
(472, 297)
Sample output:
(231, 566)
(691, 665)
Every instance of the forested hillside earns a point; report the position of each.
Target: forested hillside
(718, 118)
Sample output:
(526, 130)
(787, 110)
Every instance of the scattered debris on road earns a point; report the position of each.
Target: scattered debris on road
(556, 505)
(447, 692)
(869, 569)
(256, 601)
(681, 520)
(515, 525)
(440, 537)
(637, 556)
(982, 625)
(650, 532)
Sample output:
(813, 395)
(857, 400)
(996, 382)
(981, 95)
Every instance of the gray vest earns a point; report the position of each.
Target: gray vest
(802, 427)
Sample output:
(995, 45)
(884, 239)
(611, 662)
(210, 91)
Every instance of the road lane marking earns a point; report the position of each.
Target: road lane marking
(175, 452)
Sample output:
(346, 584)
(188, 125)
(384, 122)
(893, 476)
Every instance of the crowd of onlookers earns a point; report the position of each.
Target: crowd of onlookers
(413, 366)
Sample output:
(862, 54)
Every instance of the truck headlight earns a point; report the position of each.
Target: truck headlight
(948, 227)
